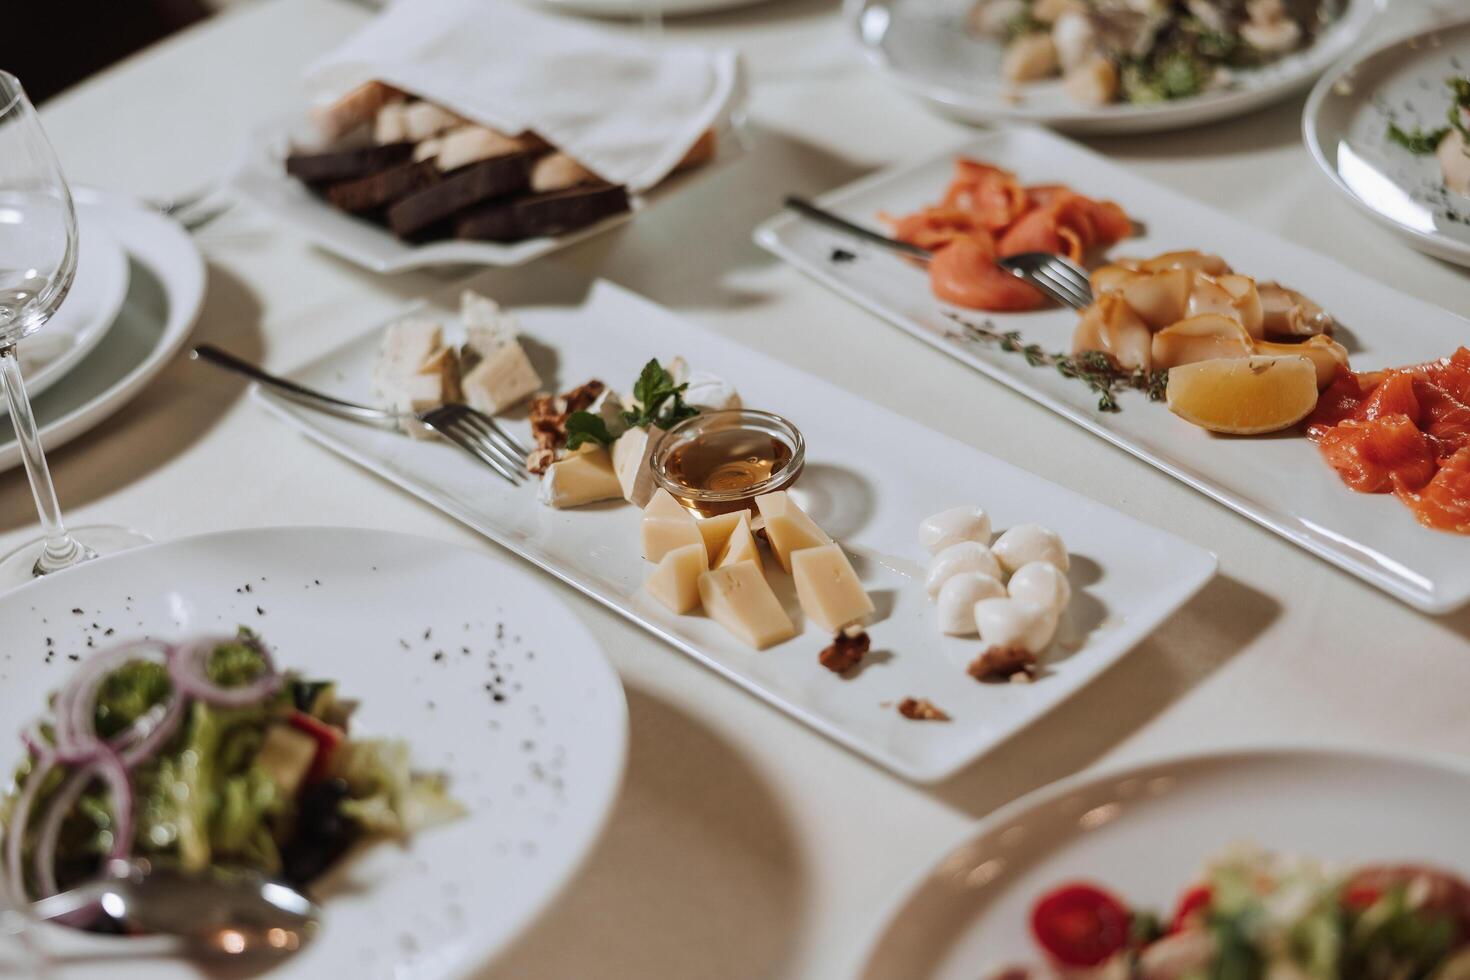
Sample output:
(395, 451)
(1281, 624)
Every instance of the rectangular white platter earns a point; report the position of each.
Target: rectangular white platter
(870, 477)
(1278, 481)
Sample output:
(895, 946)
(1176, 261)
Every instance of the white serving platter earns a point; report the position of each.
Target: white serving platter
(1280, 481)
(260, 176)
(922, 46)
(529, 725)
(870, 477)
(1346, 126)
(1145, 831)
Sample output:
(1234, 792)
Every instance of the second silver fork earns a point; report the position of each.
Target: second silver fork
(473, 431)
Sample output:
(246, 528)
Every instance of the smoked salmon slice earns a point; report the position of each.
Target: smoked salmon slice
(1404, 431)
(987, 207)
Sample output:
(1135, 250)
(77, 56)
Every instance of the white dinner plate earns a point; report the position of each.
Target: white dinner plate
(923, 46)
(1279, 481)
(870, 478)
(487, 674)
(644, 8)
(87, 313)
(260, 175)
(165, 289)
(1145, 832)
(1346, 124)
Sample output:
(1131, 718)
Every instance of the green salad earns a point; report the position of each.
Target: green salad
(201, 755)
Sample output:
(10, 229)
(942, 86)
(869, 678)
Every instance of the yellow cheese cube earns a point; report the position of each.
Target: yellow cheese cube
(675, 582)
(828, 588)
(739, 598)
(582, 477)
(788, 528)
(666, 526)
(739, 546)
(716, 531)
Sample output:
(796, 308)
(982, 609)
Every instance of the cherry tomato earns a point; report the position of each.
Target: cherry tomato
(1080, 925)
(1191, 905)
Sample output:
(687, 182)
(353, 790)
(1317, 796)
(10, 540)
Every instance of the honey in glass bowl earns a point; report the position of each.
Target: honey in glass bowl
(719, 462)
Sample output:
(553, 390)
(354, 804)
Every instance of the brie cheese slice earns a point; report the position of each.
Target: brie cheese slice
(581, 477)
(630, 455)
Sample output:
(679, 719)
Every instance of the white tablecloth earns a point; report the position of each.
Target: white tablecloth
(745, 846)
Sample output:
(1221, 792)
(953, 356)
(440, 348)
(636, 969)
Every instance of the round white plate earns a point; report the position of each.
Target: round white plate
(486, 672)
(165, 289)
(87, 313)
(922, 45)
(1346, 126)
(1145, 832)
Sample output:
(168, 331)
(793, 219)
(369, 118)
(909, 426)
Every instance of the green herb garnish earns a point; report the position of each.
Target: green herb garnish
(1417, 141)
(586, 427)
(1094, 368)
(660, 401)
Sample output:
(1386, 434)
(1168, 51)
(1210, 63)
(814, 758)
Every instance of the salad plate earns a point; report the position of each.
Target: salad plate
(1146, 830)
(164, 290)
(1350, 122)
(1281, 483)
(260, 177)
(484, 674)
(1127, 577)
(929, 49)
(87, 314)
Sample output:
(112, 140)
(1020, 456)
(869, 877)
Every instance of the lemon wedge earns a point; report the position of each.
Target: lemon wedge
(1244, 396)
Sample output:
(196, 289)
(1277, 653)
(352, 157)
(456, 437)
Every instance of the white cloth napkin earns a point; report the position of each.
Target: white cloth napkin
(626, 109)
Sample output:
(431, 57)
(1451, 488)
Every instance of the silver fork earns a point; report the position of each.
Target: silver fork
(472, 431)
(1060, 279)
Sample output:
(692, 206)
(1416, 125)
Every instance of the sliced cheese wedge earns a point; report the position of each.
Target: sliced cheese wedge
(583, 477)
(631, 454)
(675, 582)
(666, 526)
(717, 530)
(788, 528)
(740, 546)
(739, 598)
(828, 588)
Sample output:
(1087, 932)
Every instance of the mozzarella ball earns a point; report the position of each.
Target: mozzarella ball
(953, 526)
(1041, 584)
(1025, 543)
(957, 600)
(966, 556)
(1011, 623)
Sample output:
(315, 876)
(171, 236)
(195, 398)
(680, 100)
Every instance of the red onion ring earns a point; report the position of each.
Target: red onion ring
(188, 664)
(19, 818)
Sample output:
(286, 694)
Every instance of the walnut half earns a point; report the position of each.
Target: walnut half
(847, 651)
(1004, 663)
(921, 709)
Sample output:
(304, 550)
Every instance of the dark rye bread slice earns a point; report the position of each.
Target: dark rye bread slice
(460, 189)
(382, 188)
(555, 213)
(322, 168)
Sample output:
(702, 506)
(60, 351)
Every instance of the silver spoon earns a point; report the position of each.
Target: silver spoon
(220, 914)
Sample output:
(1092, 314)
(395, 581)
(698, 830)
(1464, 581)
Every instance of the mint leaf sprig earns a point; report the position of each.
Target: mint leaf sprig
(660, 401)
(585, 427)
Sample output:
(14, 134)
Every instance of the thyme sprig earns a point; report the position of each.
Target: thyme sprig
(1093, 368)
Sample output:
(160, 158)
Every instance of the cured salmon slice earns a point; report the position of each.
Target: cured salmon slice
(1380, 455)
(964, 273)
(988, 206)
(1444, 503)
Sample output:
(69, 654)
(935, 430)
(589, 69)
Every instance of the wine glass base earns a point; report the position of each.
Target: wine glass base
(100, 540)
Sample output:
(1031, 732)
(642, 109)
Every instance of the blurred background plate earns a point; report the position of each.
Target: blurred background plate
(165, 289)
(1146, 831)
(1346, 124)
(87, 313)
(924, 47)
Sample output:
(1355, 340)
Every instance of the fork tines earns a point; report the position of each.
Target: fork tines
(482, 437)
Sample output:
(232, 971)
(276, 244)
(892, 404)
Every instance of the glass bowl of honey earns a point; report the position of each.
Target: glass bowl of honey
(719, 462)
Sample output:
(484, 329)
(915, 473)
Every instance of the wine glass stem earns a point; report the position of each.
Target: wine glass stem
(61, 549)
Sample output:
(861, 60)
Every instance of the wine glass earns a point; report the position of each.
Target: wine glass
(38, 261)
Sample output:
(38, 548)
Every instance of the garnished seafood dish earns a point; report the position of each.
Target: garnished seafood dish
(1255, 914)
(1145, 51)
(987, 214)
(202, 755)
(1450, 144)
